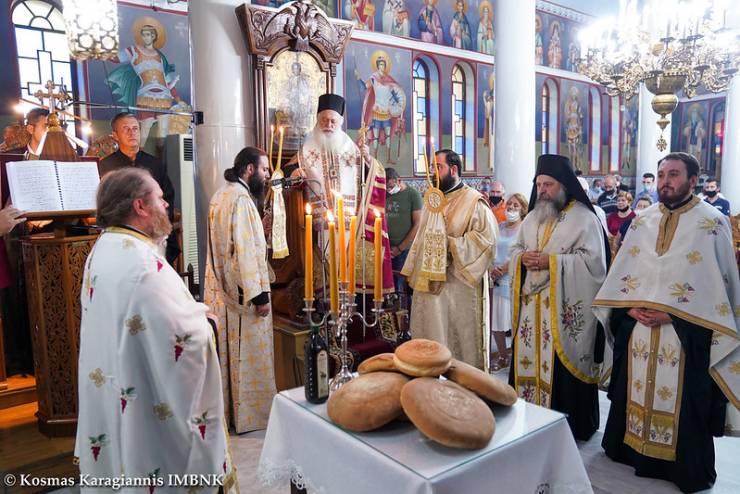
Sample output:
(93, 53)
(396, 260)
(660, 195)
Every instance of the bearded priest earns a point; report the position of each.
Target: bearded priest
(672, 302)
(332, 164)
(448, 263)
(558, 263)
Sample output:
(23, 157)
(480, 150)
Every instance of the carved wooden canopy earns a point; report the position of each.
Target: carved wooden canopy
(299, 26)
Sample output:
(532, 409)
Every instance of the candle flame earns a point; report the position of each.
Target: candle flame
(336, 194)
(329, 216)
(282, 129)
(377, 212)
(272, 128)
(308, 208)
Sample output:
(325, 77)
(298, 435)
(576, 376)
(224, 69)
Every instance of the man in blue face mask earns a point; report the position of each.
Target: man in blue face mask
(648, 189)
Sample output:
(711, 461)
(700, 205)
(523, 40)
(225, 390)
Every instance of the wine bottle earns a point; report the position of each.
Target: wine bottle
(316, 358)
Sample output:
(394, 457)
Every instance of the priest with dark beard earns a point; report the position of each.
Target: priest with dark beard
(237, 290)
(558, 263)
(671, 303)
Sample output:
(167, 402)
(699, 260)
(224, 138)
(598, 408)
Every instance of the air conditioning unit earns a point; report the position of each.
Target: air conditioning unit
(180, 168)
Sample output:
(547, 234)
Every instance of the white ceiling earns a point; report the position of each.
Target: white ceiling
(596, 8)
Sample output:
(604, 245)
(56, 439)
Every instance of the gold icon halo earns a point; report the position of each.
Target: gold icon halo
(153, 23)
(485, 3)
(492, 80)
(381, 55)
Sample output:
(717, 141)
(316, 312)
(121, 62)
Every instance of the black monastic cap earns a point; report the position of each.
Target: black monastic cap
(330, 101)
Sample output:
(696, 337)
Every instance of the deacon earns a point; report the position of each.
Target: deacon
(37, 127)
(672, 299)
(558, 263)
(150, 400)
(237, 290)
(332, 164)
(456, 239)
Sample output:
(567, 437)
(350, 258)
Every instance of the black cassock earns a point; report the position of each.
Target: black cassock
(573, 397)
(702, 413)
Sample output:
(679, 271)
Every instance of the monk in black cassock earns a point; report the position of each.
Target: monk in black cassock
(672, 302)
(559, 262)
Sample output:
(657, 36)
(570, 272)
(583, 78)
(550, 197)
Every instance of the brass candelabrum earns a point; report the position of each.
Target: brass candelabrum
(338, 323)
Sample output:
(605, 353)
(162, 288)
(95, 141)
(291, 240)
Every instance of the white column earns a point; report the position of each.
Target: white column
(730, 177)
(514, 159)
(223, 91)
(647, 152)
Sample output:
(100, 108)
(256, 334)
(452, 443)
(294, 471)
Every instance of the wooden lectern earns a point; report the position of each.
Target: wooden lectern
(54, 264)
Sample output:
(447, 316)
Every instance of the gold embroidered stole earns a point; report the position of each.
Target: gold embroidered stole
(279, 237)
(655, 386)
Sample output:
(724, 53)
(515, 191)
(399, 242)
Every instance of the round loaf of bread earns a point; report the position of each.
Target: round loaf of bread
(448, 413)
(380, 362)
(422, 358)
(368, 401)
(484, 385)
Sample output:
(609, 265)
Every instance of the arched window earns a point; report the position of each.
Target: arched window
(714, 166)
(545, 119)
(594, 138)
(425, 109)
(463, 129)
(42, 48)
(420, 111)
(458, 110)
(549, 117)
(615, 125)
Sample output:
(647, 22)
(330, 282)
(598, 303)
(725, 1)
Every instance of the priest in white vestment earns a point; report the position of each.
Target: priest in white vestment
(237, 290)
(672, 305)
(558, 263)
(448, 262)
(150, 399)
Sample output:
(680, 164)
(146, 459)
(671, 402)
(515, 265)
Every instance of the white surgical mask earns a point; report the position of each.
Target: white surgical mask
(394, 190)
(512, 216)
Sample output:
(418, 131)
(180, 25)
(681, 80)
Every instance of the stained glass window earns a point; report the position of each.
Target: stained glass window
(545, 120)
(718, 134)
(458, 111)
(42, 49)
(420, 109)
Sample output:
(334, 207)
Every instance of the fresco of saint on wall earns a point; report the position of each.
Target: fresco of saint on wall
(485, 39)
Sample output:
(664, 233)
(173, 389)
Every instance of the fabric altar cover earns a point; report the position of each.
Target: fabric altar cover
(532, 451)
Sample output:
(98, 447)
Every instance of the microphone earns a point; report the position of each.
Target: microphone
(287, 182)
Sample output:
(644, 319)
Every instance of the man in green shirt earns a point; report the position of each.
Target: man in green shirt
(403, 213)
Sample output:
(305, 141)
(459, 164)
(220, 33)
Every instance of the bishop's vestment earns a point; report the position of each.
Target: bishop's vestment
(150, 400)
(236, 273)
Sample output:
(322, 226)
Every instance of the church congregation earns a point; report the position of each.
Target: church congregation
(325, 246)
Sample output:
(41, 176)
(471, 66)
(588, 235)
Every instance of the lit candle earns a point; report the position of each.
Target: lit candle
(333, 289)
(280, 148)
(434, 158)
(342, 239)
(308, 264)
(269, 148)
(426, 165)
(378, 280)
(351, 261)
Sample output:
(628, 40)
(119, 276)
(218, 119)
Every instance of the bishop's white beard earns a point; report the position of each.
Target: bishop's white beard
(328, 141)
(546, 209)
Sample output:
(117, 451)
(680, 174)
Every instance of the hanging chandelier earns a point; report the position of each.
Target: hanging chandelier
(670, 46)
(92, 28)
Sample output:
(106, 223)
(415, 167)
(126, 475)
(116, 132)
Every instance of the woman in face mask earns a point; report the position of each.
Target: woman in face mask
(622, 214)
(516, 209)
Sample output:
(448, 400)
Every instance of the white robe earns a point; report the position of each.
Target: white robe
(150, 401)
(237, 260)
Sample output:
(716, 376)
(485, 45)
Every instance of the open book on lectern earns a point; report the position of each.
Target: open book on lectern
(40, 186)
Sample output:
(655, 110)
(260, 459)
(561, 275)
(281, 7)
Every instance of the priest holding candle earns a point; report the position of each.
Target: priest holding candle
(448, 262)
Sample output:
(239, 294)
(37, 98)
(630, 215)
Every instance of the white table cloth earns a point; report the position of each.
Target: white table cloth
(532, 451)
